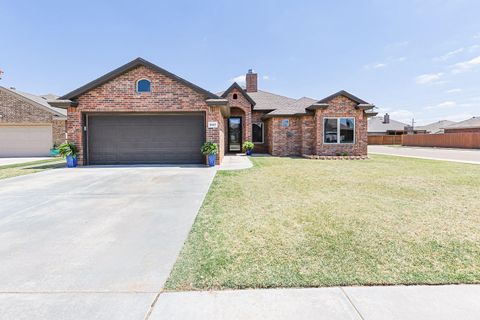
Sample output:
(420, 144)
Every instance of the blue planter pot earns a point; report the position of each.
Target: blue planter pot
(249, 152)
(211, 160)
(71, 162)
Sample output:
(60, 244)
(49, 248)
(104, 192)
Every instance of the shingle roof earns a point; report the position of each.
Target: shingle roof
(298, 106)
(281, 105)
(436, 127)
(41, 100)
(473, 122)
(269, 101)
(375, 124)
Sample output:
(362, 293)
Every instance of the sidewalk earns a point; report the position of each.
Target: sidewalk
(235, 162)
(445, 154)
(357, 303)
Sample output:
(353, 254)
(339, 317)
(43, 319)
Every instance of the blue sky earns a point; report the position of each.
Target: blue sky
(412, 58)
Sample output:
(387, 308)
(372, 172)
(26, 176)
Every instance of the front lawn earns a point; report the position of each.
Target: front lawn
(19, 169)
(305, 223)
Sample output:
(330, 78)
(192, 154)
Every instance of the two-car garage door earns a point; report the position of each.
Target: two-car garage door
(145, 138)
(25, 140)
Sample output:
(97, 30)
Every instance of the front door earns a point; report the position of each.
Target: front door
(235, 134)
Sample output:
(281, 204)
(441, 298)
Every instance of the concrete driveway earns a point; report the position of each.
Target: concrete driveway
(93, 243)
(445, 154)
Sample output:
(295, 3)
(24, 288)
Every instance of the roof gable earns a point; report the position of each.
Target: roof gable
(239, 88)
(37, 101)
(127, 67)
(344, 94)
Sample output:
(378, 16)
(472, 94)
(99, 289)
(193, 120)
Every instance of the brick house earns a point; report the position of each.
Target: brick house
(141, 113)
(29, 125)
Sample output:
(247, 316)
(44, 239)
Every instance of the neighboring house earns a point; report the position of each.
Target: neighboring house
(469, 125)
(380, 126)
(29, 125)
(141, 113)
(436, 127)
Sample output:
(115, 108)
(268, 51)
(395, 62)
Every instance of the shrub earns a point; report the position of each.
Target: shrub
(248, 145)
(209, 148)
(68, 149)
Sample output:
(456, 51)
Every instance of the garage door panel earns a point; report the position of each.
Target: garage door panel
(124, 139)
(25, 141)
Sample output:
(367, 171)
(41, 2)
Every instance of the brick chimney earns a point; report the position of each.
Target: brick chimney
(386, 118)
(251, 79)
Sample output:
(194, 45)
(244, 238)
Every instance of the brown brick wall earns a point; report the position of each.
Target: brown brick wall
(59, 128)
(286, 140)
(308, 135)
(119, 95)
(16, 110)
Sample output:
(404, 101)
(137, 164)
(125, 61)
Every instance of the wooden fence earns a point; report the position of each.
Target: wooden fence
(470, 140)
(385, 139)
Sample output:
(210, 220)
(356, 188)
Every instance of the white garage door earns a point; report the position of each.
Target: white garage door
(25, 141)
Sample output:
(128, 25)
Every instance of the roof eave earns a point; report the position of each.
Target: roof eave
(317, 105)
(222, 104)
(63, 103)
(345, 94)
(365, 106)
(298, 114)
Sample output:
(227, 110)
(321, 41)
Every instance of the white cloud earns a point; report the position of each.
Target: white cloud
(466, 65)
(454, 90)
(450, 54)
(442, 105)
(379, 65)
(388, 61)
(429, 78)
(447, 104)
(477, 36)
(266, 77)
(239, 79)
(402, 115)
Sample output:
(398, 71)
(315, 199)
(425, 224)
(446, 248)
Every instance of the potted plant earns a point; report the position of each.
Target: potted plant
(210, 150)
(54, 151)
(248, 147)
(69, 151)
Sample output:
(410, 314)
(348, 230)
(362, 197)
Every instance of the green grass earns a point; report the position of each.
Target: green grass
(307, 223)
(19, 169)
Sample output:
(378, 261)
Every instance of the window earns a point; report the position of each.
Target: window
(285, 122)
(339, 130)
(257, 132)
(235, 96)
(143, 85)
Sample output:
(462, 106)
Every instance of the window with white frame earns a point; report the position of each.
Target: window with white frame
(143, 85)
(339, 130)
(257, 132)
